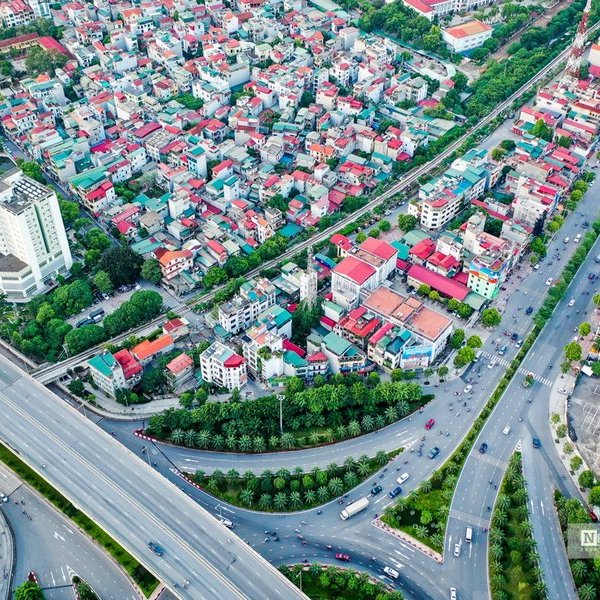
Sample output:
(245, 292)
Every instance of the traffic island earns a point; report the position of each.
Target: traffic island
(405, 537)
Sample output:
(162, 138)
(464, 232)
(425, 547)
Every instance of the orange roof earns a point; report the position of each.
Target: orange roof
(180, 363)
(170, 255)
(468, 29)
(146, 349)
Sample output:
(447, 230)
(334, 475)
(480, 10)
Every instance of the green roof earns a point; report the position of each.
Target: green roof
(403, 249)
(291, 358)
(103, 363)
(337, 344)
(412, 238)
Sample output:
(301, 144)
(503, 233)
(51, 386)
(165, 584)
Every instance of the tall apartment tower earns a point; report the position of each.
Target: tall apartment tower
(33, 243)
(309, 281)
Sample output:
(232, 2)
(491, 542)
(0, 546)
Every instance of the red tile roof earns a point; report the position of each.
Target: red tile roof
(379, 248)
(354, 269)
(128, 363)
(445, 286)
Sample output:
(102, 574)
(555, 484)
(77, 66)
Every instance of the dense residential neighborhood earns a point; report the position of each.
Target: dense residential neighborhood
(362, 231)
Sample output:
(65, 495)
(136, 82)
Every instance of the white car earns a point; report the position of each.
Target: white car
(226, 522)
(577, 238)
(452, 593)
(491, 365)
(3, 497)
(549, 281)
(536, 267)
(572, 302)
(468, 388)
(402, 478)
(506, 430)
(456, 550)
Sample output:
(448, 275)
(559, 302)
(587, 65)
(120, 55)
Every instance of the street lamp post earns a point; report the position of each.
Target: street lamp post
(280, 397)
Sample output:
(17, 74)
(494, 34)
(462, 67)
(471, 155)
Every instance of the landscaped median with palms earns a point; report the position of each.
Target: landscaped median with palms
(424, 513)
(323, 582)
(290, 491)
(513, 558)
(344, 407)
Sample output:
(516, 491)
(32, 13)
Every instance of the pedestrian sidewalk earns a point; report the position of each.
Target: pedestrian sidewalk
(6, 557)
(558, 405)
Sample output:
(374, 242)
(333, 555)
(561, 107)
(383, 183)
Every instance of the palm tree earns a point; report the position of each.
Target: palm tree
(295, 500)
(280, 500)
(323, 494)
(310, 497)
(218, 442)
(265, 502)
(340, 432)
(503, 502)
(336, 486)
(203, 439)
(391, 414)
(231, 442)
(403, 408)
(298, 470)
(245, 443)
(579, 569)
(353, 428)
(246, 496)
(367, 423)
(258, 444)
(526, 528)
(328, 435)
(232, 475)
(496, 535)
(350, 463)
(274, 441)
(332, 469)
(420, 531)
(212, 485)
(177, 436)
(540, 589)
(189, 438)
(381, 458)
(496, 552)
(437, 539)
(283, 473)
(588, 590)
(500, 518)
(379, 421)
(426, 486)
(288, 441)
(350, 479)
(314, 438)
(363, 467)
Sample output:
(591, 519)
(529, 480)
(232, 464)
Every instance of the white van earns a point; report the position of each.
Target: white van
(226, 522)
(391, 572)
(469, 535)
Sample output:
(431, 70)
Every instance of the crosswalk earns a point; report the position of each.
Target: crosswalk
(500, 464)
(469, 519)
(506, 363)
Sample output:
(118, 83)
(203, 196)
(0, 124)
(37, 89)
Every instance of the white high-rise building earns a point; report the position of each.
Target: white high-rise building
(33, 243)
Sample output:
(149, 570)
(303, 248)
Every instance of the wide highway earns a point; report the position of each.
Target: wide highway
(129, 499)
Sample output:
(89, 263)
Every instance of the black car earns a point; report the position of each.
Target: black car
(483, 448)
(572, 434)
(514, 337)
(529, 310)
(433, 452)
(376, 489)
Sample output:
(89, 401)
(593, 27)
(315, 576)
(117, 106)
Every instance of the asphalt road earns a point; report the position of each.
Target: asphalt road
(129, 499)
(51, 546)
(421, 577)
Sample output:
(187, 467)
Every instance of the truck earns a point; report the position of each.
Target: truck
(354, 508)
(97, 315)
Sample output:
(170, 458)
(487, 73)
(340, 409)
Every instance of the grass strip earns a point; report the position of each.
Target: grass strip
(143, 578)
(424, 513)
(513, 555)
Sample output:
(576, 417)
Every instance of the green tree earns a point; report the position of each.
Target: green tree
(122, 264)
(464, 356)
(43, 61)
(96, 239)
(585, 329)
(103, 282)
(385, 225)
(457, 339)
(573, 351)
(68, 210)
(586, 479)
(407, 222)
(29, 591)
(151, 271)
(490, 317)
(474, 341)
